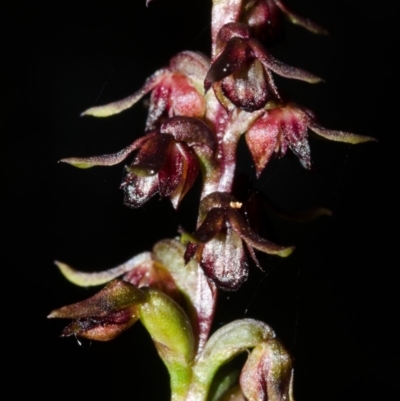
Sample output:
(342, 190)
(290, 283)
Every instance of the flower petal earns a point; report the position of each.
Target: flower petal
(115, 296)
(234, 56)
(178, 173)
(262, 141)
(279, 67)
(339, 136)
(186, 100)
(224, 260)
(190, 130)
(265, 20)
(212, 224)
(123, 104)
(104, 315)
(84, 279)
(152, 155)
(103, 328)
(193, 65)
(247, 88)
(252, 239)
(138, 190)
(107, 160)
(301, 21)
(294, 131)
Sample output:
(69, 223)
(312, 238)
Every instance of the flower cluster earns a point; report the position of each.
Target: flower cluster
(198, 110)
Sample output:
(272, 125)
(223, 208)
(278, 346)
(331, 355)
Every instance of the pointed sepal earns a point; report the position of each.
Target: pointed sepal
(105, 315)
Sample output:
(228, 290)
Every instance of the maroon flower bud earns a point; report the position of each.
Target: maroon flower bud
(286, 127)
(105, 315)
(264, 17)
(218, 242)
(267, 374)
(241, 72)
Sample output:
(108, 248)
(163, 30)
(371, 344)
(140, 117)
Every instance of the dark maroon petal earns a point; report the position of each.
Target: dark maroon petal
(278, 67)
(232, 58)
(103, 328)
(211, 225)
(189, 170)
(265, 20)
(262, 140)
(224, 260)
(190, 130)
(138, 190)
(171, 172)
(232, 30)
(240, 225)
(115, 296)
(190, 252)
(220, 200)
(247, 88)
(151, 156)
(294, 131)
(104, 315)
(158, 105)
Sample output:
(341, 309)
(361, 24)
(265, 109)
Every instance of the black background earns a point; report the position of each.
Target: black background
(333, 302)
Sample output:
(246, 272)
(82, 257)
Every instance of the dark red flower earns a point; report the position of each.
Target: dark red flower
(176, 90)
(241, 73)
(167, 161)
(105, 315)
(218, 241)
(286, 127)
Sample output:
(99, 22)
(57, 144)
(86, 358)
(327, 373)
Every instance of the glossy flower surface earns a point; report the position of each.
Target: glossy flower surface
(168, 163)
(241, 73)
(218, 242)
